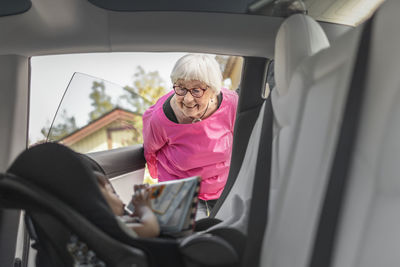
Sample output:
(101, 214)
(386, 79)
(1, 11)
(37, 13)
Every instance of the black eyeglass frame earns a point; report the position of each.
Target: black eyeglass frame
(189, 90)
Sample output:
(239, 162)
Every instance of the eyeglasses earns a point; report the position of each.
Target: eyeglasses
(195, 92)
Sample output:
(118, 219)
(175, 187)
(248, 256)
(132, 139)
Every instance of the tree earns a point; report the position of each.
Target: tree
(147, 88)
(100, 100)
(222, 61)
(61, 129)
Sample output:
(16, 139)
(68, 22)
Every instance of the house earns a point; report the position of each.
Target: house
(117, 128)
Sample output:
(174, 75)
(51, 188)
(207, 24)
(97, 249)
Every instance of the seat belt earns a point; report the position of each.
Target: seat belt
(339, 176)
(258, 217)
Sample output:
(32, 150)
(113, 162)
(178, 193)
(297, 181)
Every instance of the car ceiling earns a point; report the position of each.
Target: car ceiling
(78, 26)
(347, 12)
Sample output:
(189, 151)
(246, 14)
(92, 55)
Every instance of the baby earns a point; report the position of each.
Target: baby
(143, 221)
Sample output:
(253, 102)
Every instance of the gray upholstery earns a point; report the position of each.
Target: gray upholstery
(13, 107)
(283, 240)
(244, 183)
(298, 38)
(291, 52)
(369, 232)
(238, 217)
(315, 100)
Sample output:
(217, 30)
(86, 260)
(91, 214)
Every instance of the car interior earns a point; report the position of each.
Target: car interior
(312, 180)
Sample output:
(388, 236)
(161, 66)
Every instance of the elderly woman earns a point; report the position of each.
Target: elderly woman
(189, 131)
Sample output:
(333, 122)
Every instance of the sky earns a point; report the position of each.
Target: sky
(50, 76)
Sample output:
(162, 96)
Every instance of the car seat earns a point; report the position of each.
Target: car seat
(72, 224)
(315, 96)
(298, 38)
(369, 224)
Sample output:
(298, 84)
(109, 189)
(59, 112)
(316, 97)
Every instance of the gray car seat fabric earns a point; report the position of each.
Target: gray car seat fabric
(298, 38)
(238, 217)
(315, 100)
(243, 185)
(369, 233)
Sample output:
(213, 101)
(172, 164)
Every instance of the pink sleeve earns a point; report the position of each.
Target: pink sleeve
(153, 139)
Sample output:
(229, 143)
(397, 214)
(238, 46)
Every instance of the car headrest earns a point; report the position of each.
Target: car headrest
(69, 176)
(298, 37)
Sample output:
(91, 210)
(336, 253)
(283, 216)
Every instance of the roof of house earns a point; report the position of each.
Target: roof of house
(106, 119)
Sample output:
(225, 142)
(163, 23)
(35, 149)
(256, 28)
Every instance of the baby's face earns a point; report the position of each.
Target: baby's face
(115, 203)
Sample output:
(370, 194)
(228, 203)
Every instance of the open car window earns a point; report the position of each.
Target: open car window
(96, 115)
(103, 110)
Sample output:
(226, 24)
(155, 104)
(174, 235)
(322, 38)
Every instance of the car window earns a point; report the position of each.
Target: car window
(97, 115)
(90, 113)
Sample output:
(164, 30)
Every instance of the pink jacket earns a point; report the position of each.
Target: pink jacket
(175, 151)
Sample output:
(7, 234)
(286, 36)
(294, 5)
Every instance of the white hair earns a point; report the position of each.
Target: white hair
(198, 67)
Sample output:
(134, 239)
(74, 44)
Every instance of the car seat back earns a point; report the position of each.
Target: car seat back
(316, 96)
(298, 38)
(63, 237)
(70, 218)
(369, 229)
(366, 236)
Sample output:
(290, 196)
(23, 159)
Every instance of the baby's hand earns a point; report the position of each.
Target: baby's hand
(141, 196)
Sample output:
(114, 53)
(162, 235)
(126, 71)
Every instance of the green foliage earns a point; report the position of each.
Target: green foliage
(146, 90)
(101, 102)
(60, 130)
(222, 61)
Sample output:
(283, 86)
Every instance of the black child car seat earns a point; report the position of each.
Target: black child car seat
(72, 225)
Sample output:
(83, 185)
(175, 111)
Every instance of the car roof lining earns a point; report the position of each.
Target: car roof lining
(77, 26)
(83, 28)
(334, 11)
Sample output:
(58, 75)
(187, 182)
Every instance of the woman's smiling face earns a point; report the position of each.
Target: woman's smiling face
(192, 106)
